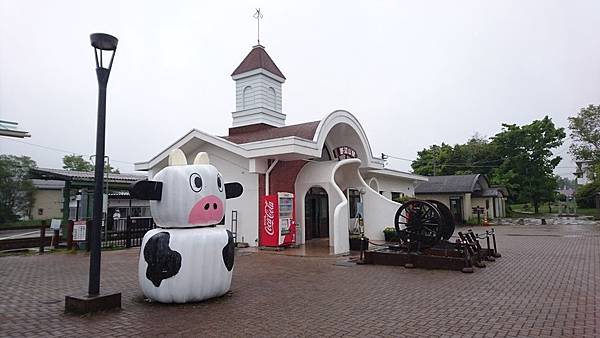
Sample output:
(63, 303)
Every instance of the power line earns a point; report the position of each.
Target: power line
(61, 150)
(477, 164)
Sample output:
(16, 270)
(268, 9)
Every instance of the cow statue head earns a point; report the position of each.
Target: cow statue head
(184, 196)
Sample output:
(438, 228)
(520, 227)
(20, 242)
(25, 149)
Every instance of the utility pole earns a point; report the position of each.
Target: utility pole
(434, 154)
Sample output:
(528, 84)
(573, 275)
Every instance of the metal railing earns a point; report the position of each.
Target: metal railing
(126, 232)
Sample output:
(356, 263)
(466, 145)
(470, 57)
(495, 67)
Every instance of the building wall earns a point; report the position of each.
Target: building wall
(481, 202)
(283, 176)
(50, 202)
(441, 198)
(389, 184)
(259, 94)
(467, 201)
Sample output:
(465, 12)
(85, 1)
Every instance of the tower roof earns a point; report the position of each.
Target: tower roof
(258, 58)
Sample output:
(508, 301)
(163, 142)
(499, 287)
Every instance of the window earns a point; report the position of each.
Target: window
(353, 200)
(397, 196)
(487, 204)
(380, 192)
(246, 97)
(40, 211)
(140, 212)
(273, 97)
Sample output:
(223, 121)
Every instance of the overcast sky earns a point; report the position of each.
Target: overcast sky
(413, 73)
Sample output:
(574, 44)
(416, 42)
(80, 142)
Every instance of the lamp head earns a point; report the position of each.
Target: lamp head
(104, 41)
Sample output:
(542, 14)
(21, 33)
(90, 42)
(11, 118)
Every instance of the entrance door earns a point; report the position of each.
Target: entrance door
(316, 213)
(456, 207)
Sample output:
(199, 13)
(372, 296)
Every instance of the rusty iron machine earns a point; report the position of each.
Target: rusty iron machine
(424, 230)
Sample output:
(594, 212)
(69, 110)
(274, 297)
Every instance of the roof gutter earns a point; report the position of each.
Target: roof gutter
(267, 176)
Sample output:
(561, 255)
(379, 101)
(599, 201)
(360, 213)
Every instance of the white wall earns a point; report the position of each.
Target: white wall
(320, 174)
(480, 201)
(379, 211)
(51, 203)
(389, 184)
(260, 94)
(335, 177)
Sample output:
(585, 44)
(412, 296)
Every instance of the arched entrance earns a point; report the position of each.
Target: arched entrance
(316, 213)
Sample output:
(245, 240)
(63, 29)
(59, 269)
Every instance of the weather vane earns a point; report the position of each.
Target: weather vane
(258, 15)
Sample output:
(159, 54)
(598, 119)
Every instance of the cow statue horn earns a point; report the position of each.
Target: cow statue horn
(177, 157)
(201, 158)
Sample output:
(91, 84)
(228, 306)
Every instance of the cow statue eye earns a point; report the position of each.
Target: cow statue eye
(219, 183)
(196, 182)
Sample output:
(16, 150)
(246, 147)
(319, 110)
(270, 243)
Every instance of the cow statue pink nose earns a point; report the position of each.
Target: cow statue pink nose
(207, 211)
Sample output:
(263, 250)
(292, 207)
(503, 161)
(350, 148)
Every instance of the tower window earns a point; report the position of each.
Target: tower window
(273, 97)
(246, 100)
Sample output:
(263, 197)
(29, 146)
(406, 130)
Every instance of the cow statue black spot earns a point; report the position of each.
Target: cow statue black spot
(187, 257)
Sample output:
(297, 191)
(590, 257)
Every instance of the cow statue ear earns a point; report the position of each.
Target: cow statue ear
(201, 158)
(177, 157)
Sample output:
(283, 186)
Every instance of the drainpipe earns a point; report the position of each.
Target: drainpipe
(267, 176)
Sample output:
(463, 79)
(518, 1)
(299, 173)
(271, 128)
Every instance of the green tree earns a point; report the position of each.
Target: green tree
(430, 161)
(585, 133)
(527, 160)
(16, 189)
(477, 156)
(565, 182)
(586, 194)
(77, 162)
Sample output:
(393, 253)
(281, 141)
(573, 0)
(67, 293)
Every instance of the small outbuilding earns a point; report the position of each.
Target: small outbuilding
(465, 195)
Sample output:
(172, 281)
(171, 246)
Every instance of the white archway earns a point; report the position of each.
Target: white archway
(352, 133)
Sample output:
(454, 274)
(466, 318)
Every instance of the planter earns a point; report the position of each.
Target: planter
(355, 244)
(391, 236)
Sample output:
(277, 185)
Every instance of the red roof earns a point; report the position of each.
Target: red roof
(257, 58)
(303, 130)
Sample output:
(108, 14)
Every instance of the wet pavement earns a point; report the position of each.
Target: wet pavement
(547, 283)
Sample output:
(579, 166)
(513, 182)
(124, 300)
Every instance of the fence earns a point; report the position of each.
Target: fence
(126, 232)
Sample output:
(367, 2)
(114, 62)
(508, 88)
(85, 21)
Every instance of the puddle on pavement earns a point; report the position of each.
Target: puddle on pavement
(550, 235)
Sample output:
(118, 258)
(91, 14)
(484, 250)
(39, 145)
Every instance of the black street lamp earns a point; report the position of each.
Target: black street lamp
(93, 301)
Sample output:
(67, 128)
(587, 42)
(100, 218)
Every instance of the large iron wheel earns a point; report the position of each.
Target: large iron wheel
(448, 220)
(419, 223)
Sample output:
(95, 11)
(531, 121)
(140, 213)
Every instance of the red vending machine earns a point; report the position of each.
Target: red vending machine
(278, 226)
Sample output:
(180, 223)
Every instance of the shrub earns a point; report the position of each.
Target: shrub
(586, 193)
(473, 221)
(390, 234)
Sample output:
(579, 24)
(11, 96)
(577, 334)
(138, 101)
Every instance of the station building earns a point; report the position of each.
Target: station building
(327, 164)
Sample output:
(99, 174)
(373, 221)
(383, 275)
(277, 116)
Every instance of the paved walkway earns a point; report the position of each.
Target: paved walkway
(546, 284)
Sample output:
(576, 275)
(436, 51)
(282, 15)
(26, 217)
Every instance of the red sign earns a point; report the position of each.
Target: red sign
(269, 217)
(344, 152)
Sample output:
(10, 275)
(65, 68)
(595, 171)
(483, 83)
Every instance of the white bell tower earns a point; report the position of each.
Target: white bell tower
(258, 90)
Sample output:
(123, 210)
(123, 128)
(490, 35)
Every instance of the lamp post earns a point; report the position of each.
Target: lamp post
(101, 43)
(93, 301)
(105, 197)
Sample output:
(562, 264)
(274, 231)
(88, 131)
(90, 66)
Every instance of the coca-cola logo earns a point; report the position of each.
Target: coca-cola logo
(269, 218)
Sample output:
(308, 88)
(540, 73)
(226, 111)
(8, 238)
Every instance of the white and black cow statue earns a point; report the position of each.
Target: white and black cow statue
(187, 257)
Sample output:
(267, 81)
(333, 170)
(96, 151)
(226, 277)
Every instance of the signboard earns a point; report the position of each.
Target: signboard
(79, 230)
(478, 210)
(55, 224)
(344, 152)
(105, 203)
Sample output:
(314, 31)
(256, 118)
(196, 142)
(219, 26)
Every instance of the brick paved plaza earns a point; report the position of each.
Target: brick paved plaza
(546, 284)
